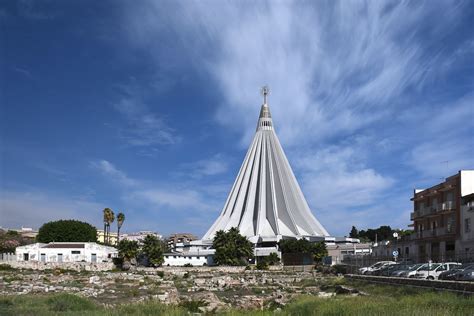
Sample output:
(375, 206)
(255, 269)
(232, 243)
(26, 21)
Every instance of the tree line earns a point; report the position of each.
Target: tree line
(381, 233)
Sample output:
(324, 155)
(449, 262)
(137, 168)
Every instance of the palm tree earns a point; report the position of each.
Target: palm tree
(106, 214)
(110, 220)
(120, 220)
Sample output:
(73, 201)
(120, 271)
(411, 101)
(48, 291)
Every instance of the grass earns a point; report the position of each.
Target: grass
(383, 300)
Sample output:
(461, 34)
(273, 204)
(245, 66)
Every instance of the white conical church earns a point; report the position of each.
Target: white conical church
(266, 202)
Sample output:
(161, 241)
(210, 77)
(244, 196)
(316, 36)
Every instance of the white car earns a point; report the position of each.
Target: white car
(376, 266)
(433, 270)
(410, 273)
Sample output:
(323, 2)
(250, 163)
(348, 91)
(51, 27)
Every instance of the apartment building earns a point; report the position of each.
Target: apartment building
(442, 219)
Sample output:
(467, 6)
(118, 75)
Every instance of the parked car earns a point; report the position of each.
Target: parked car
(410, 273)
(387, 269)
(378, 270)
(453, 274)
(400, 271)
(466, 275)
(378, 265)
(433, 270)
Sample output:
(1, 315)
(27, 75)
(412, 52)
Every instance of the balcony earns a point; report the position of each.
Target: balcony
(441, 231)
(436, 207)
(448, 206)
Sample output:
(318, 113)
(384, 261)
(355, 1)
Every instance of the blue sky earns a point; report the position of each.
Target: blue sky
(148, 107)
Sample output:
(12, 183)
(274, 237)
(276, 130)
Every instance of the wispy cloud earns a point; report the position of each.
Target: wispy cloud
(33, 208)
(23, 72)
(158, 199)
(337, 70)
(114, 174)
(211, 166)
(143, 128)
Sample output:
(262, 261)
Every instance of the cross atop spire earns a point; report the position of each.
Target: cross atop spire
(265, 92)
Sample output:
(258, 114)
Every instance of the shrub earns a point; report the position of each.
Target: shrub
(6, 267)
(340, 268)
(232, 248)
(152, 249)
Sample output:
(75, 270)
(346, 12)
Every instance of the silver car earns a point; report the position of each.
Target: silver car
(410, 273)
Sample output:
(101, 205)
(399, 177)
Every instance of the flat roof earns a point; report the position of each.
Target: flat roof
(64, 246)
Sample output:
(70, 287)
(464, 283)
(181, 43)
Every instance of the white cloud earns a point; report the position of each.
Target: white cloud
(327, 64)
(32, 209)
(336, 179)
(143, 128)
(336, 69)
(212, 166)
(109, 170)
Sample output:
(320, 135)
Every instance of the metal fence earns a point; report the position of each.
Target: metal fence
(354, 263)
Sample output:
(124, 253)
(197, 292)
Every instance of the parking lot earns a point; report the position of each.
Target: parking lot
(454, 271)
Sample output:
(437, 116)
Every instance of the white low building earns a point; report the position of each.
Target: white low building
(66, 252)
(194, 258)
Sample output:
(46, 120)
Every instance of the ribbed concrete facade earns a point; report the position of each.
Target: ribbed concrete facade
(266, 202)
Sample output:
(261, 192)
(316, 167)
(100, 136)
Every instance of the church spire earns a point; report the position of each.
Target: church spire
(265, 92)
(265, 110)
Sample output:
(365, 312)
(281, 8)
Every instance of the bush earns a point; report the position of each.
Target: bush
(152, 249)
(232, 248)
(67, 230)
(317, 249)
(341, 268)
(6, 267)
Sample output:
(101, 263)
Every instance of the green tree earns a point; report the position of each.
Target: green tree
(152, 248)
(232, 248)
(128, 251)
(317, 249)
(120, 220)
(354, 232)
(67, 230)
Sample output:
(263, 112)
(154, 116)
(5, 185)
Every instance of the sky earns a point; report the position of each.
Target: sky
(148, 107)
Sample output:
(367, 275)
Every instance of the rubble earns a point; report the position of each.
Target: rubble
(217, 288)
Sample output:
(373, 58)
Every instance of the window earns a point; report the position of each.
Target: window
(198, 257)
(174, 257)
(76, 252)
(467, 225)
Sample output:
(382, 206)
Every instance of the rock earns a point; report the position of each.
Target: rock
(94, 279)
(341, 289)
(326, 294)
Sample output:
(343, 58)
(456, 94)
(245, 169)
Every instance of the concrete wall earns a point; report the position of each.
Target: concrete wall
(76, 266)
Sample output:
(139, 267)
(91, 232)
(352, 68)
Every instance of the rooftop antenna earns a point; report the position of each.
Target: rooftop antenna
(265, 92)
